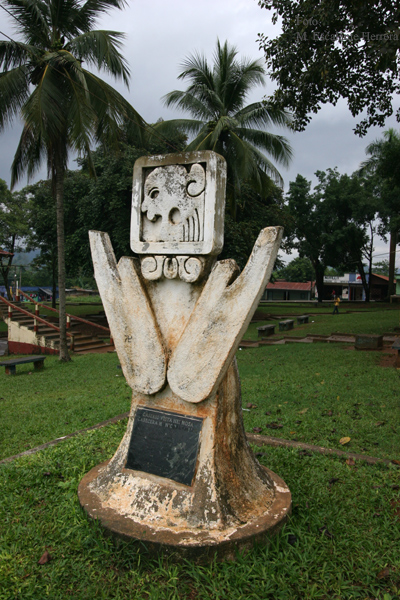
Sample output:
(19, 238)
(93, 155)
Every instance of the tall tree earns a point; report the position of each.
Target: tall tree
(331, 222)
(309, 227)
(299, 269)
(13, 228)
(222, 121)
(330, 50)
(383, 163)
(63, 106)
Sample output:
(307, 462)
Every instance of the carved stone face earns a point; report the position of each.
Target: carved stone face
(173, 204)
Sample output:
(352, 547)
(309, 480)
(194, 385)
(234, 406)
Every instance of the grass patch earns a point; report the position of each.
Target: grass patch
(93, 299)
(339, 544)
(39, 406)
(342, 541)
(320, 393)
(323, 322)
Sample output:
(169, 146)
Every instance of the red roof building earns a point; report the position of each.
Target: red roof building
(289, 290)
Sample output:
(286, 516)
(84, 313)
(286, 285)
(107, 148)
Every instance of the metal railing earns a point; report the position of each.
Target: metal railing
(36, 319)
(74, 317)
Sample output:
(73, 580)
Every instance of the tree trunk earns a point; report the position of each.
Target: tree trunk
(370, 258)
(392, 261)
(319, 278)
(363, 279)
(59, 191)
(5, 271)
(54, 278)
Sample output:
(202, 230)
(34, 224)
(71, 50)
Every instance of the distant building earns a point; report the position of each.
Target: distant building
(350, 287)
(289, 290)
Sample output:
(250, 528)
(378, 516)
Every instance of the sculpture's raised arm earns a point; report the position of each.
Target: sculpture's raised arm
(130, 316)
(219, 320)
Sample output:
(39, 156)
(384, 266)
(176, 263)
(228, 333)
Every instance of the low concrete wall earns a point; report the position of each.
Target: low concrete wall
(369, 342)
(22, 340)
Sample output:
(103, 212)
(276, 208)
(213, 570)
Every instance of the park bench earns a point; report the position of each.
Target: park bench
(286, 325)
(302, 319)
(11, 365)
(266, 330)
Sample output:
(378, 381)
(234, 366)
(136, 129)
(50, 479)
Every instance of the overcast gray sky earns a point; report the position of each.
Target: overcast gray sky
(160, 33)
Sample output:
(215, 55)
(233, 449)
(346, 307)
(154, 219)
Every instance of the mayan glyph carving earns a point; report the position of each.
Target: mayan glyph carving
(177, 207)
(173, 205)
(184, 475)
(187, 268)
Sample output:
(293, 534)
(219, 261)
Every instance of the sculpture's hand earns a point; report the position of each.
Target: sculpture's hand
(130, 316)
(219, 320)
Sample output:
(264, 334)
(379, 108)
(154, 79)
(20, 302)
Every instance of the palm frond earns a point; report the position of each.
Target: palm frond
(45, 108)
(14, 92)
(15, 54)
(267, 166)
(29, 155)
(93, 9)
(276, 145)
(112, 110)
(32, 20)
(170, 127)
(233, 79)
(187, 101)
(261, 114)
(195, 67)
(202, 141)
(101, 49)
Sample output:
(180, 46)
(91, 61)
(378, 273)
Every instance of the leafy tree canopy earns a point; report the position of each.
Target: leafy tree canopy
(299, 269)
(331, 221)
(383, 168)
(335, 49)
(13, 226)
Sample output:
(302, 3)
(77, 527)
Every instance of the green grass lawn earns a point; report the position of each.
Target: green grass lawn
(369, 320)
(320, 393)
(39, 406)
(342, 541)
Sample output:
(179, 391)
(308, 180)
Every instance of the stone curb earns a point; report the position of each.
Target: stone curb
(65, 437)
(257, 440)
(265, 440)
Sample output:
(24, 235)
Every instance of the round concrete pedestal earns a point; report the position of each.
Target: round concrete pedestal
(193, 543)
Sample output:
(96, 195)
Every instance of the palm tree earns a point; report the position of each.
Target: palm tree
(64, 107)
(381, 163)
(223, 123)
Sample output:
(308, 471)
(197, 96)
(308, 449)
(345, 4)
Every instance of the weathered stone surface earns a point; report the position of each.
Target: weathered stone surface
(219, 320)
(177, 319)
(286, 325)
(232, 497)
(368, 342)
(178, 204)
(131, 319)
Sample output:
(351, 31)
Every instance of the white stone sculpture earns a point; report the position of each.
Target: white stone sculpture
(184, 476)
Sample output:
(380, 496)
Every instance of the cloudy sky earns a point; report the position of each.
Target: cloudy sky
(160, 33)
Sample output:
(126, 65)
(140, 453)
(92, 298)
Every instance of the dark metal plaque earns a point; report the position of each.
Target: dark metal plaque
(164, 443)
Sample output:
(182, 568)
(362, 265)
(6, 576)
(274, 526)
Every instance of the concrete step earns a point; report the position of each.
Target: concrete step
(95, 348)
(86, 343)
(22, 320)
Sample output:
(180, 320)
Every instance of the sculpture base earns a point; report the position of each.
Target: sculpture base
(193, 543)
